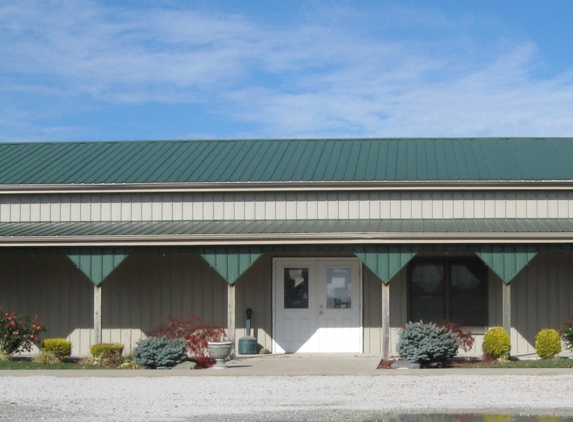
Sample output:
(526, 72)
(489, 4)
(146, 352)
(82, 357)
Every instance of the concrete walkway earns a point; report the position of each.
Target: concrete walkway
(291, 365)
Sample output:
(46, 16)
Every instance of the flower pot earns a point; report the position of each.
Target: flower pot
(219, 351)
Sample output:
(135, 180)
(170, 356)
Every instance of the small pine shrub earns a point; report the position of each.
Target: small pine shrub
(566, 333)
(59, 347)
(160, 352)
(107, 354)
(427, 344)
(547, 343)
(496, 343)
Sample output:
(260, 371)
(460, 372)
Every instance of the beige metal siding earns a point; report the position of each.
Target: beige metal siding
(302, 205)
(372, 305)
(149, 287)
(49, 285)
(542, 297)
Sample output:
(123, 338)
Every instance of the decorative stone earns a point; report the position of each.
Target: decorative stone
(186, 365)
(404, 364)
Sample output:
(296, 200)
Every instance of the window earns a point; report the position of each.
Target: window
(451, 289)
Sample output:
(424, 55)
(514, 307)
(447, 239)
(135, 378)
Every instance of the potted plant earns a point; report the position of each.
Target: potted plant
(219, 346)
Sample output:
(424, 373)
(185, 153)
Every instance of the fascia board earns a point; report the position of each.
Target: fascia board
(288, 186)
(290, 239)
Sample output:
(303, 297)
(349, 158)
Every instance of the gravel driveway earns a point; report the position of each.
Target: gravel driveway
(278, 398)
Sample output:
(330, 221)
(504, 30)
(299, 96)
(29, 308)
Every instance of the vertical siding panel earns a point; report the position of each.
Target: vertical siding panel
(323, 205)
(238, 206)
(510, 205)
(126, 207)
(343, 205)
(353, 205)
(5, 209)
(406, 206)
(135, 203)
(26, 209)
(372, 311)
(364, 205)
(45, 208)
(85, 208)
(542, 204)
(427, 205)
(230, 206)
(199, 207)
(458, 200)
(379, 205)
(177, 207)
(275, 207)
(14, 213)
(469, 204)
(332, 205)
(156, 208)
(212, 209)
(260, 207)
(479, 205)
(250, 209)
(521, 204)
(290, 206)
(312, 208)
(398, 307)
(55, 207)
(448, 206)
(34, 208)
(116, 207)
(416, 204)
(187, 206)
(146, 207)
(105, 209)
(301, 207)
(563, 205)
(531, 205)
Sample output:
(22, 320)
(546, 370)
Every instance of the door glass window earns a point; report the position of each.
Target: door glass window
(296, 288)
(338, 288)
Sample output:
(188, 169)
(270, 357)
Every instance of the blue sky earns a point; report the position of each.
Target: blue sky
(124, 70)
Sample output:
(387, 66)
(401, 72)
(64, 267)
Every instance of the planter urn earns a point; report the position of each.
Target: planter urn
(219, 351)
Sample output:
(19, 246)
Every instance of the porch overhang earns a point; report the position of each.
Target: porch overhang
(286, 232)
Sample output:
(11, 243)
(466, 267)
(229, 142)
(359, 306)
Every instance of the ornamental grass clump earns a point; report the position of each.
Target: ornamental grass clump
(496, 344)
(160, 352)
(18, 333)
(547, 343)
(427, 344)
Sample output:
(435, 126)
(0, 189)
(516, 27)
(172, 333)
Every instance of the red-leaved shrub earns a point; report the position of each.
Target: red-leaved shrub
(465, 337)
(197, 332)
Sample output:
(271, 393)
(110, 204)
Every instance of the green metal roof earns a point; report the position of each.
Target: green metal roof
(249, 227)
(309, 160)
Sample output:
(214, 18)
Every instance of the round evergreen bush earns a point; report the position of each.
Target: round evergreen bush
(59, 347)
(547, 343)
(496, 343)
(427, 344)
(160, 352)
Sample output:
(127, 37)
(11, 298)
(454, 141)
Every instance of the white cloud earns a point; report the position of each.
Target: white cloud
(310, 80)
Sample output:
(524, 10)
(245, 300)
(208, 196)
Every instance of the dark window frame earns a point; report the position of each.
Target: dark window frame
(447, 263)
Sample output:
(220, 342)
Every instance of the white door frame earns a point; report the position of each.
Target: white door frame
(332, 260)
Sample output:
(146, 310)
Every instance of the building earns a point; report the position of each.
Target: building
(334, 243)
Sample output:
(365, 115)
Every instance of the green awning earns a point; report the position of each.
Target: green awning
(230, 262)
(506, 261)
(386, 260)
(97, 265)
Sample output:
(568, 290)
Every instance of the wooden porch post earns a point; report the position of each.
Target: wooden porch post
(385, 321)
(231, 312)
(506, 297)
(96, 338)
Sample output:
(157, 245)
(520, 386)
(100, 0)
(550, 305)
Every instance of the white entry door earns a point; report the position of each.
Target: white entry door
(317, 306)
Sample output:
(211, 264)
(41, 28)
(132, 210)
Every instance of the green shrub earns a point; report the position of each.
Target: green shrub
(496, 343)
(427, 344)
(107, 354)
(160, 352)
(59, 347)
(547, 343)
(566, 333)
(18, 333)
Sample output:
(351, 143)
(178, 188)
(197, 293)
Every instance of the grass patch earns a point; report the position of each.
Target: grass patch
(547, 363)
(28, 364)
